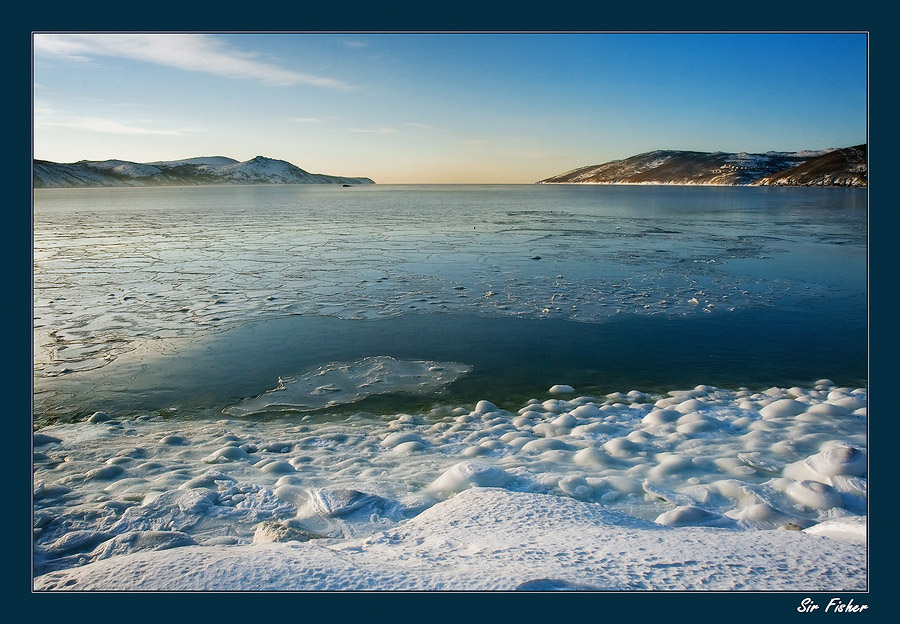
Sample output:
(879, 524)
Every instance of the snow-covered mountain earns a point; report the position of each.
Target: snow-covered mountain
(190, 171)
(829, 167)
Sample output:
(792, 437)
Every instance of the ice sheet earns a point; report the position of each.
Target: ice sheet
(118, 267)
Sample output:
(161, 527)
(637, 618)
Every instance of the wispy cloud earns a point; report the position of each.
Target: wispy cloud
(307, 120)
(45, 117)
(373, 130)
(420, 126)
(189, 52)
(107, 126)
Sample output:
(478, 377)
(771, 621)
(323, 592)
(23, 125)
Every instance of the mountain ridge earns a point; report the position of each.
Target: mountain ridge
(201, 170)
(833, 167)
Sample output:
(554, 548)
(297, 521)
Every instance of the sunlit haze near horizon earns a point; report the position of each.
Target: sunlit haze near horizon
(443, 108)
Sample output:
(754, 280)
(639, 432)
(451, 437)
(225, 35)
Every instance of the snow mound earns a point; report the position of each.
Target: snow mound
(850, 528)
(495, 539)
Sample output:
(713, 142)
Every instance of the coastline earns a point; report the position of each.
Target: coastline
(803, 186)
(699, 489)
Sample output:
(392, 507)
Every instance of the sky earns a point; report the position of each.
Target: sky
(405, 108)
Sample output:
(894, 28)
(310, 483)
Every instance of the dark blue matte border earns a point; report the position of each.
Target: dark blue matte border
(22, 19)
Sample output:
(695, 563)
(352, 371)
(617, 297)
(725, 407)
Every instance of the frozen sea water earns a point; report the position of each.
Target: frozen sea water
(116, 268)
(230, 366)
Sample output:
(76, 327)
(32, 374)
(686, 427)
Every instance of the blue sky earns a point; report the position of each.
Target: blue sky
(443, 108)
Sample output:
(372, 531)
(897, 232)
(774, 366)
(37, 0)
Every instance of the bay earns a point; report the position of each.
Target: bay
(218, 367)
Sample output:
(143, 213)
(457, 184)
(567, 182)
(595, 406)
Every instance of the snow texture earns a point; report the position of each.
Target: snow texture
(494, 539)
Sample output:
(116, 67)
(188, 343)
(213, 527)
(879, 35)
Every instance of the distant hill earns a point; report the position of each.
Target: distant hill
(187, 172)
(843, 167)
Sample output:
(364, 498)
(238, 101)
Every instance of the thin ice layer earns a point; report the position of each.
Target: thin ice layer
(117, 270)
(347, 382)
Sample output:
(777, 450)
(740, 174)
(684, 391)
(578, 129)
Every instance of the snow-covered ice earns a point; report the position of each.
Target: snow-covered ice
(697, 489)
(496, 539)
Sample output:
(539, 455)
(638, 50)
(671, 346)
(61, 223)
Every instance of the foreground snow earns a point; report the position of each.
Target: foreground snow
(699, 489)
(495, 539)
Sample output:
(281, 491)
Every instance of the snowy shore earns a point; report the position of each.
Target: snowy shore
(702, 489)
(494, 539)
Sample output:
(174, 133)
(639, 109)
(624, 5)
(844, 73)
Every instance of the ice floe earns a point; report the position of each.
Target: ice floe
(347, 382)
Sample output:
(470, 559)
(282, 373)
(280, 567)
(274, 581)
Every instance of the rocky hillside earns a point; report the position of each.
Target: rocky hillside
(843, 167)
(828, 168)
(187, 172)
